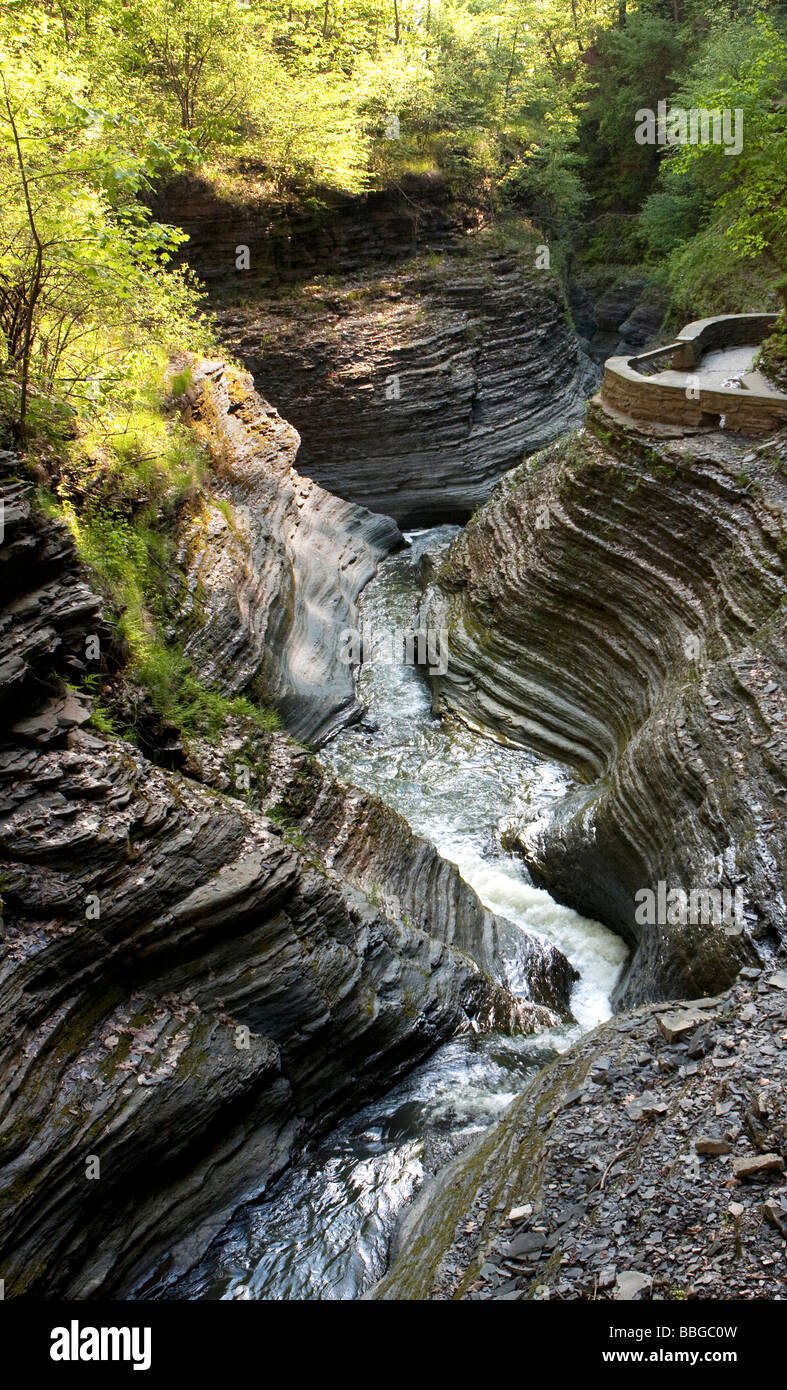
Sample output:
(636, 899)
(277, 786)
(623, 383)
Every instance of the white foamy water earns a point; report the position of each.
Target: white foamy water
(592, 949)
(460, 789)
(324, 1229)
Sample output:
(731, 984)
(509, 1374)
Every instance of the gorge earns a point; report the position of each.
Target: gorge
(280, 978)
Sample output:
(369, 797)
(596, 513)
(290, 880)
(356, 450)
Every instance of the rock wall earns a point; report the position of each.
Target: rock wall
(417, 353)
(412, 392)
(616, 308)
(745, 409)
(289, 244)
(274, 564)
(188, 993)
(373, 848)
(621, 608)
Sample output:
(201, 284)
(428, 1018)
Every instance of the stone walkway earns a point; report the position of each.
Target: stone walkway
(732, 366)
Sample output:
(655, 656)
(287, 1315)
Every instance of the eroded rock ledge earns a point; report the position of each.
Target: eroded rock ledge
(649, 1161)
(414, 391)
(149, 920)
(274, 564)
(619, 605)
(441, 355)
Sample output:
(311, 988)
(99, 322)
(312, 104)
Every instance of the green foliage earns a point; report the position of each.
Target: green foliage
(85, 286)
(521, 106)
(774, 349)
(634, 68)
(181, 382)
(181, 699)
(742, 66)
(119, 489)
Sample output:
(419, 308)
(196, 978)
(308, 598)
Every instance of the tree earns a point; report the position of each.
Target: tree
(83, 275)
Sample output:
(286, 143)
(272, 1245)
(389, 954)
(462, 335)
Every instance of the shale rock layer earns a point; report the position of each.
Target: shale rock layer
(619, 605)
(414, 391)
(187, 992)
(274, 564)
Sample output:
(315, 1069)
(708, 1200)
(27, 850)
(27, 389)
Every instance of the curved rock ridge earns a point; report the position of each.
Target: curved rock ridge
(48, 610)
(647, 1161)
(274, 576)
(413, 392)
(274, 563)
(620, 606)
(187, 993)
(372, 847)
(146, 921)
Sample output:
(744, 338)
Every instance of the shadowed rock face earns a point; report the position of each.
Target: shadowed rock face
(288, 245)
(119, 1032)
(274, 563)
(433, 364)
(185, 996)
(413, 392)
(620, 606)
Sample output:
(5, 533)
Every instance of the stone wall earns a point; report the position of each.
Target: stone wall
(743, 411)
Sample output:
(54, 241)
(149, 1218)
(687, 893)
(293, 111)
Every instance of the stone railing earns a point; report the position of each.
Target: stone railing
(627, 387)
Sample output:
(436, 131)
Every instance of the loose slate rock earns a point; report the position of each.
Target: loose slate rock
(679, 1024)
(630, 1284)
(757, 1165)
(708, 1144)
(527, 1243)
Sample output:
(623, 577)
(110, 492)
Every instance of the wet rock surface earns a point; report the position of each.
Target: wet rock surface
(188, 993)
(619, 605)
(626, 1169)
(274, 564)
(370, 846)
(146, 919)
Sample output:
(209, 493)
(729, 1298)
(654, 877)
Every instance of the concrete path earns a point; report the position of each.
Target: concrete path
(731, 366)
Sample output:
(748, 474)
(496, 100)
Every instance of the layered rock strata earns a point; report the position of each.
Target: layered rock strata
(414, 391)
(274, 564)
(619, 605)
(187, 992)
(371, 846)
(291, 244)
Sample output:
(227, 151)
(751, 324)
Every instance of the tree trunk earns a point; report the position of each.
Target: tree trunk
(576, 25)
(510, 68)
(396, 20)
(38, 268)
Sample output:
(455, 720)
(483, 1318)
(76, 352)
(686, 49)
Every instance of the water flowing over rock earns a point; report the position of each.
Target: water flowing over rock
(619, 604)
(187, 992)
(371, 847)
(629, 1168)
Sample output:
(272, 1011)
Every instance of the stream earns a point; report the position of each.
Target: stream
(323, 1230)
